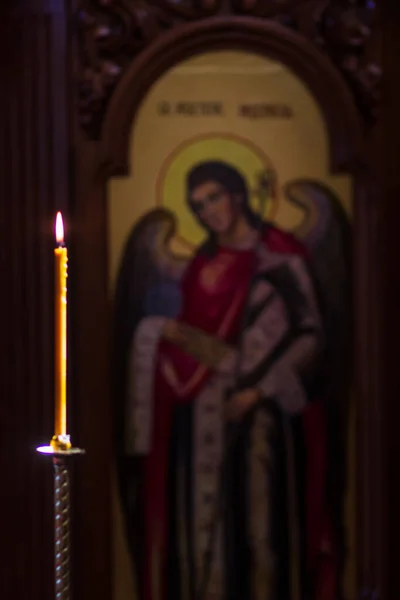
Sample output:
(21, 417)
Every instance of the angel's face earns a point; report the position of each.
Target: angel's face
(214, 206)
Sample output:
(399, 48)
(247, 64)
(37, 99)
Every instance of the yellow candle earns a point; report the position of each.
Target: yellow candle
(61, 260)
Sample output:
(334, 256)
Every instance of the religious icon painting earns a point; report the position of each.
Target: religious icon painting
(230, 271)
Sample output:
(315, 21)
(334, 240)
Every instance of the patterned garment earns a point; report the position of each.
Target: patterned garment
(220, 509)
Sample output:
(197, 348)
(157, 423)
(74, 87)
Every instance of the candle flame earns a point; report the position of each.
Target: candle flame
(59, 229)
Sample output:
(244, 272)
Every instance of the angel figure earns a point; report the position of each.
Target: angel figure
(231, 374)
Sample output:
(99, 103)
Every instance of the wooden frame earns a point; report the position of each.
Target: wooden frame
(97, 161)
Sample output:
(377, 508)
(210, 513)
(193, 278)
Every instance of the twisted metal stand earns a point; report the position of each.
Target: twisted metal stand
(61, 529)
(61, 466)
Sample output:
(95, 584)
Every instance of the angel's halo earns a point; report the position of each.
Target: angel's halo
(237, 151)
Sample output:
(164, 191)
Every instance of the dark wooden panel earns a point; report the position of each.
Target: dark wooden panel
(92, 406)
(391, 280)
(33, 180)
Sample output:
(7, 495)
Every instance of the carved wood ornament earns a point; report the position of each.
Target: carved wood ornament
(114, 32)
(124, 47)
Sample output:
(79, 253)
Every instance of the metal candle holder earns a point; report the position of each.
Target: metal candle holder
(62, 453)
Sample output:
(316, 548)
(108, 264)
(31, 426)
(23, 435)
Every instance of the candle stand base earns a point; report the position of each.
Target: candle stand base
(61, 443)
(61, 465)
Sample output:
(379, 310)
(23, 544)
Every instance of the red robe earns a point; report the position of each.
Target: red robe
(214, 295)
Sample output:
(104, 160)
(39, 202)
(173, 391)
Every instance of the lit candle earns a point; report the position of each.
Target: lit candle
(61, 259)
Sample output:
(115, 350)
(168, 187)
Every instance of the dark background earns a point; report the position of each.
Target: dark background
(38, 143)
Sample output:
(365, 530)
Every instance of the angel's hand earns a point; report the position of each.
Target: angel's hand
(240, 403)
(174, 332)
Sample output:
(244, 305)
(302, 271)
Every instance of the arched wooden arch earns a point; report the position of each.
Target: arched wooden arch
(233, 33)
(98, 161)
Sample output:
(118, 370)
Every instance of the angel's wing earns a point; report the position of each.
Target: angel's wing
(326, 231)
(147, 284)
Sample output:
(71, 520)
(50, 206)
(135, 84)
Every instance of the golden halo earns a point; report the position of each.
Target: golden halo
(240, 153)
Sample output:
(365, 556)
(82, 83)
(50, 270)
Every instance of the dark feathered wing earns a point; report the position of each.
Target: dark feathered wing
(326, 231)
(148, 283)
